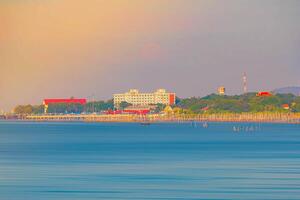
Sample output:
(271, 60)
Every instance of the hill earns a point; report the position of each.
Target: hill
(288, 90)
(241, 103)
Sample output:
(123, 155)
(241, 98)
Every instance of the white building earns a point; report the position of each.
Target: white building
(134, 97)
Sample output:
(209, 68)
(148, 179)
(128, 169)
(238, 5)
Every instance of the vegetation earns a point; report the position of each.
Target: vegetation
(98, 106)
(90, 107)
(65, 108)
(159, 108)
(124, 104)
(240, 103)
(29, 109)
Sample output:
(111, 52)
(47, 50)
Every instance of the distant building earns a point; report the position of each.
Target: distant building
(137, 110)
(205, 108)
(113, 112)
(46, 102)
(134, 97)
(221, 90)
(264, 94)
(286, 106)
(141, 110)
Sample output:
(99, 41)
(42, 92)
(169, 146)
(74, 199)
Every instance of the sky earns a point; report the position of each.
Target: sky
(94, 48)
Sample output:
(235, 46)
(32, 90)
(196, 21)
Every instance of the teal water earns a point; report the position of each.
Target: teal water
(70, 161)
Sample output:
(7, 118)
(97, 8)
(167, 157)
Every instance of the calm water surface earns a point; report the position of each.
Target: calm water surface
(71, 161)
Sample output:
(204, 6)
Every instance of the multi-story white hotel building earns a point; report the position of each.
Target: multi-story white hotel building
(136, 98)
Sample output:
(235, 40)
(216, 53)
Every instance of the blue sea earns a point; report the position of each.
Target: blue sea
(162, 161)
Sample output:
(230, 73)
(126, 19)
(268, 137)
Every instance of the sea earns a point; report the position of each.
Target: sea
(160, 161)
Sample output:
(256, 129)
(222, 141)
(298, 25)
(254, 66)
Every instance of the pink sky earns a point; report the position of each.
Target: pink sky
(63, 48)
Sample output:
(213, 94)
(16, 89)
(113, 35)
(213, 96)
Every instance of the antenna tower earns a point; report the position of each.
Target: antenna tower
(245, 83)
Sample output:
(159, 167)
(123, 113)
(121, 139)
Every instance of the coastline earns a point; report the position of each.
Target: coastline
(291, 118)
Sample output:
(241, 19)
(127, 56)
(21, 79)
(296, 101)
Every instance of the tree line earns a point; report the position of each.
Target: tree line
(249, 102)
(90, 107)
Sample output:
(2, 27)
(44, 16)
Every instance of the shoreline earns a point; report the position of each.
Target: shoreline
(152, 122)
(285, 118)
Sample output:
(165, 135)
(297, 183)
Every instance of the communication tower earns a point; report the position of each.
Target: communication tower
(245, 83)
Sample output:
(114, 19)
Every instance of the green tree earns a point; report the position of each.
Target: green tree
(38, 109)
(23, 109)
(76, 108)
(57, 108)
(98, 106)
(124, 105)
(159, 108)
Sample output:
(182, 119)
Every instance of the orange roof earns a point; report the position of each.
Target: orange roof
(285, 106)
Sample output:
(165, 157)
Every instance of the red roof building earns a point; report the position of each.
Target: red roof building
(286, 106)
(46, 102)
(205, 108)
(50, 101)
(264, 94)
(113, 112)
(137, 112)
